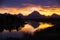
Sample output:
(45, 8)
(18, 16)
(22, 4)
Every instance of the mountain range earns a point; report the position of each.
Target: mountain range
(36, 15)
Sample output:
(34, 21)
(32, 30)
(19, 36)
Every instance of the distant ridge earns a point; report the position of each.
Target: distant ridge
(55, 16)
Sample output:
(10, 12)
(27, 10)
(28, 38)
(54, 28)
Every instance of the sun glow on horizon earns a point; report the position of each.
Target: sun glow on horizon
(47, 11)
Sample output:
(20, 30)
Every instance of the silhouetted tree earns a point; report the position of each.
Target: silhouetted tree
(1, 28)
(10, 22)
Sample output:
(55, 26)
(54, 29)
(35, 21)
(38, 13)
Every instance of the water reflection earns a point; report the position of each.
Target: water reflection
(42, 25)
(30, 28)
(5, 30)
(33, 23)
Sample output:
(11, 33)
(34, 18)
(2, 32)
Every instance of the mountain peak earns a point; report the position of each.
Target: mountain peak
(35, 12)
(55, 16)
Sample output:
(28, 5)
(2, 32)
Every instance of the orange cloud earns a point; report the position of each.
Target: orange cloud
(47, 11)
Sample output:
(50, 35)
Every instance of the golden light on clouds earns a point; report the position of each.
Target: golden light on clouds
(47, 11)
(50, 11)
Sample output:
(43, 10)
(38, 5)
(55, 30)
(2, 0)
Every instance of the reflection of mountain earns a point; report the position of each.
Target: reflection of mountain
(34, 24)
(34, 15)
(52, 33)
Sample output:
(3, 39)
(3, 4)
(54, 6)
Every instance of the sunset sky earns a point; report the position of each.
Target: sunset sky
(44, 7)
(25, 7)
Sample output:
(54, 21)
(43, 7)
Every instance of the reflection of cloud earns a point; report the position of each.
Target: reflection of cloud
(14, 30)
(28, 28)
(5, 30)
(44, 25)
(18, 3)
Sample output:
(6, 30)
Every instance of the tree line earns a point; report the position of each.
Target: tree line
(9, 22)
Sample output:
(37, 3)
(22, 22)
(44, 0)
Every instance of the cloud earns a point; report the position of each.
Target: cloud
(19, 3)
